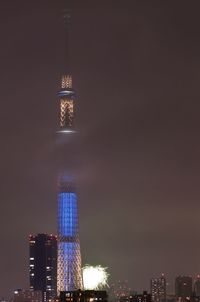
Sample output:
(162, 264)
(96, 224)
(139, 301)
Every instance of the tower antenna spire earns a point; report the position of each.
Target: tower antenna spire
(67, 12)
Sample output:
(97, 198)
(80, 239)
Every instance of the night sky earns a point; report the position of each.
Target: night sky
(136, 71)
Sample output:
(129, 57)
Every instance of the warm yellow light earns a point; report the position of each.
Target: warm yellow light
(66, 81)
(66, 112)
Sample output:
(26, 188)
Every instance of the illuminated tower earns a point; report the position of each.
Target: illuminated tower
(69, 272)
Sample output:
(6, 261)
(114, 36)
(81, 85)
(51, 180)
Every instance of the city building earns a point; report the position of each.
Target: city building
(69, 272)
(171, 298)
(120, 291)
(197, 287)
(183, 288)
(43, 264)
(158, 289)
(84, 296)
(144, 297)
(21, 295)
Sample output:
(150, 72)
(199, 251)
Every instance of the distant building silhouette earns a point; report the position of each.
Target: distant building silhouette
(158, 289)
(43, 264)
(197, 287)
(171, 298)
(83, 296)
(120, 291)
(21, 295)
(183, 288)
(144, 297)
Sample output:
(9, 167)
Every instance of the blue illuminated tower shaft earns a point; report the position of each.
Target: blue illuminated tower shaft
(69, 256)
(69, 273)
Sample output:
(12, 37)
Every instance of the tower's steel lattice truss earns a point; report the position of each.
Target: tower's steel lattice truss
(67, 97)
(69, 272)
(69, 275)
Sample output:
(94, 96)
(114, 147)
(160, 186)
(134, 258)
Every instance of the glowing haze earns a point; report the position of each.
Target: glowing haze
(94, 277)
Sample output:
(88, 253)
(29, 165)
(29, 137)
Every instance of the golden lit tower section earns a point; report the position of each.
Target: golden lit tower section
(66, 98)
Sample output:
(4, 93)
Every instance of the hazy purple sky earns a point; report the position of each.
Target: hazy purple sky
(136, 70)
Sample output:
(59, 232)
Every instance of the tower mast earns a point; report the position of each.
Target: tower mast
(69, 272)
(66, 94)
(67, 21)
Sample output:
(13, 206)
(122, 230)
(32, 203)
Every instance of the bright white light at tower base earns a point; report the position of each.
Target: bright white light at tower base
(94, 277)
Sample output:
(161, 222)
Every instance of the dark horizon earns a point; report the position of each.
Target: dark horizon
(136, 74)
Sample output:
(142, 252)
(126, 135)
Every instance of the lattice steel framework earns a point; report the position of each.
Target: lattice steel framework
(67, 98)
(69, 274)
